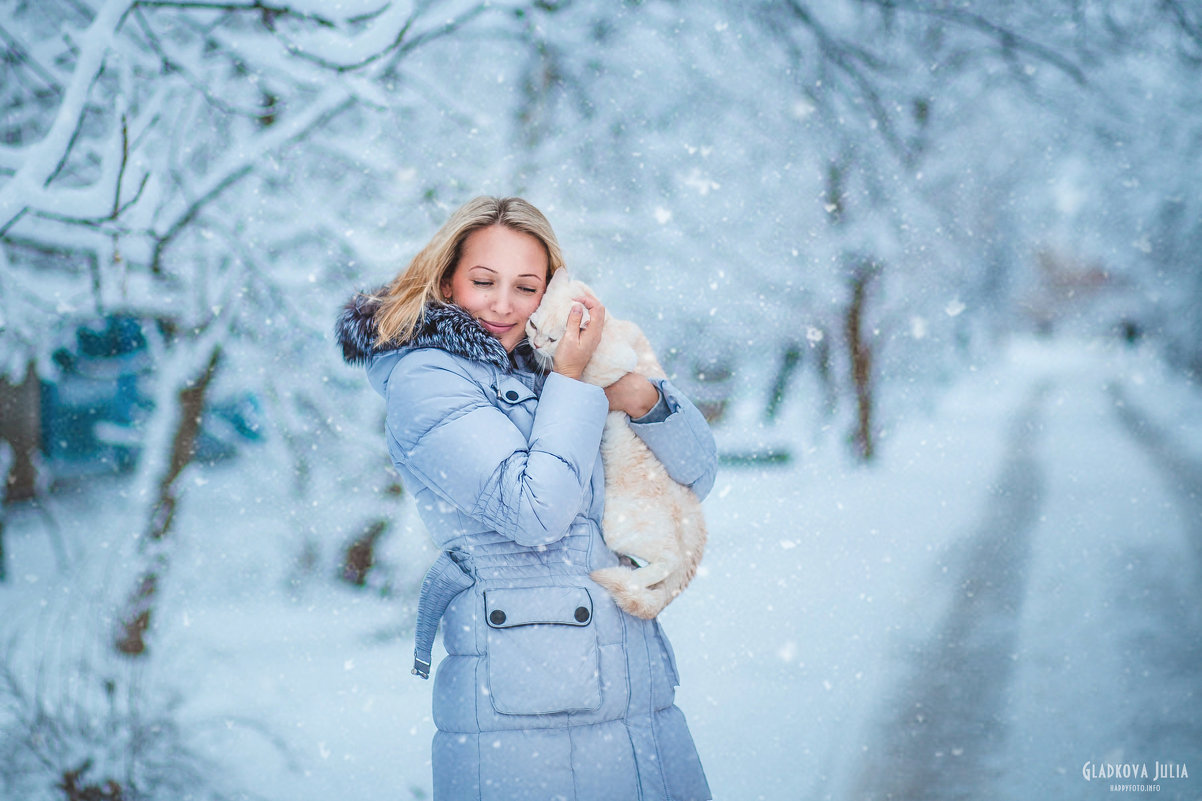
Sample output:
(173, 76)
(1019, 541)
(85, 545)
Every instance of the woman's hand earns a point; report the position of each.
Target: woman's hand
(578, 344)
(633, 394)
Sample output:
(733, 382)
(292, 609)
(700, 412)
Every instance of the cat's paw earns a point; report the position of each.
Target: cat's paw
(629, 594)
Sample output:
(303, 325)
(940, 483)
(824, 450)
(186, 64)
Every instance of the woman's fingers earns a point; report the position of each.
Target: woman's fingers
(596, 315)
(590, 334)
(574, 319)
(581, 338)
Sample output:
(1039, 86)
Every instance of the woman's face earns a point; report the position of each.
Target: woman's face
(499, 280)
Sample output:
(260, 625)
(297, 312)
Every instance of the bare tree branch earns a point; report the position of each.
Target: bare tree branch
(329, 105)
(401, 43)
(449, 27)
(852, 60)
(1008, 38)
(379, 53)
(33, 176)
(100, 222)
(24, 56)
(121, 167)
(1191, 28)
(269, 10)
(175, 65)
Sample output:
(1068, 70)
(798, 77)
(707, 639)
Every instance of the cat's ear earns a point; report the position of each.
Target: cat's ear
(558, 278)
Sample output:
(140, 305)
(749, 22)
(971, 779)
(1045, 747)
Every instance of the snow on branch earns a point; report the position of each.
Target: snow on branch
(391, 32)
(858, 64)
(241, 162)
(42, 160)
(270, 11)
(1009, 37)
(34, 167)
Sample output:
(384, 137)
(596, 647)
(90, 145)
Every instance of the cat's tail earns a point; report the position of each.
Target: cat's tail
(631, 592)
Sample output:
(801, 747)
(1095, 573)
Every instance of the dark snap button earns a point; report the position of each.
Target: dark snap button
(497, 617)
(581, 614)
(511, 395)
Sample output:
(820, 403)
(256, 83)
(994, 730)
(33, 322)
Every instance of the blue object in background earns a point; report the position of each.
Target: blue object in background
(92, 414)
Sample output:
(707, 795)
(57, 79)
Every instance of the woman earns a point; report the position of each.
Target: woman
(548, 689)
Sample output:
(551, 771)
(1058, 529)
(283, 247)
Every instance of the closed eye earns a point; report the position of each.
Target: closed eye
(536, 332)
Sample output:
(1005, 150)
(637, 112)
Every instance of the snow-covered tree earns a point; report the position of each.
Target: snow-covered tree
(205, 168)
(785, 182)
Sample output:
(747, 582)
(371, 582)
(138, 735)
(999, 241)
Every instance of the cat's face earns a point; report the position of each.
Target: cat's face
(547, 325)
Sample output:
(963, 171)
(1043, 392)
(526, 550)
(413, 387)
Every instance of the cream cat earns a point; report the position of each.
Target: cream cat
(649, 518)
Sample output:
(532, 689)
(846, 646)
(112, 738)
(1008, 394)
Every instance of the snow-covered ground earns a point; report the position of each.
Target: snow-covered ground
(1010, 593)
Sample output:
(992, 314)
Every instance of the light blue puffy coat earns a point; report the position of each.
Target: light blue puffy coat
(548, 690)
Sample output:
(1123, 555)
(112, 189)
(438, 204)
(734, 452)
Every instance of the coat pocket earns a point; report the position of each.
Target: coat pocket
(542, 650)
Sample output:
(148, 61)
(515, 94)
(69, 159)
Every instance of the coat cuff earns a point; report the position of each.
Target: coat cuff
(682, 440)
(659, 412)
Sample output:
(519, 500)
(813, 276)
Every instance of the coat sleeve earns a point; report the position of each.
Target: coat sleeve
(447, 432)
(682, 440)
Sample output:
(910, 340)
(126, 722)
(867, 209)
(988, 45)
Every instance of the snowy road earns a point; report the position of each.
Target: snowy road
(945, 729)
(1073, 636)
(1092, 653)
(980, 623)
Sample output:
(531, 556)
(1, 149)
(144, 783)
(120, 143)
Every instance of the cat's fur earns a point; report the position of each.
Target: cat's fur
(649, 518)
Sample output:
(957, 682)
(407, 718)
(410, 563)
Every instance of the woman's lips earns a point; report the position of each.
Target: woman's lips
(497, 328)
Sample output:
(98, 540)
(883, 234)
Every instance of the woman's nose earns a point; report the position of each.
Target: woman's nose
(503, 303)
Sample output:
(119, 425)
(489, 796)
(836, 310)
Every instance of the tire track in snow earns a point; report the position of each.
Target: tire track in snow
(942, 733)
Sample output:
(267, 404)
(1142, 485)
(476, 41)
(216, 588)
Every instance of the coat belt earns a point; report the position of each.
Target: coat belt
(446, 578)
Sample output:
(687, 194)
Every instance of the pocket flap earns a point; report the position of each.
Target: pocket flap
(524, 606)
(512, 390)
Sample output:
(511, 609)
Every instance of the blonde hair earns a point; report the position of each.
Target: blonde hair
(404, 301)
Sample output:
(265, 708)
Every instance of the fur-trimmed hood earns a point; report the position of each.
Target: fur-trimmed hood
(443, 325)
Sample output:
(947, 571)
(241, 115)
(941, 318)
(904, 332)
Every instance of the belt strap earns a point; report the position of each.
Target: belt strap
(445, 579)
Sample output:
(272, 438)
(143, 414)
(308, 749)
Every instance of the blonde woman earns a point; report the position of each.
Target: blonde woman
(548, 689)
